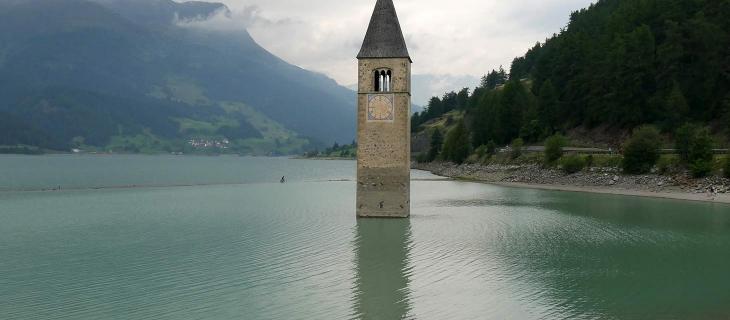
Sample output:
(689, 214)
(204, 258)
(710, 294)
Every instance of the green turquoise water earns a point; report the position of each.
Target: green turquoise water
(162, 237)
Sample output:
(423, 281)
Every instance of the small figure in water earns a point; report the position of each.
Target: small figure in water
(283, 179)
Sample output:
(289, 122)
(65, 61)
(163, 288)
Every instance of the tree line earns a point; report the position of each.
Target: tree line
(617, 64)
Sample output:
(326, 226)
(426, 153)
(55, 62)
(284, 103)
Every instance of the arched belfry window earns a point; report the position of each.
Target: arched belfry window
(382, 79)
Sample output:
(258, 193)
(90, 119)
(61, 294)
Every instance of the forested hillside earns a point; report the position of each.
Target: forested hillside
(617, 65)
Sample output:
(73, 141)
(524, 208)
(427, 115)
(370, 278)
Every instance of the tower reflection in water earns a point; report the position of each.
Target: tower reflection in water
(382, 247)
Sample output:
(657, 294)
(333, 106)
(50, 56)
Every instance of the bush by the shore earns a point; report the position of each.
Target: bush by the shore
(572, 163)
(554, 148)
(695, 148)
(668, 164)
(727, 167)
(516, 146)
(641, 151)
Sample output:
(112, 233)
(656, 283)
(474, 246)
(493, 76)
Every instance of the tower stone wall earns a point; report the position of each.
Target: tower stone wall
(384, 147)
(384, 118)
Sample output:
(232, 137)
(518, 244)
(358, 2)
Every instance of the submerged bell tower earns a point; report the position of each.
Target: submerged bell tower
(383, 118)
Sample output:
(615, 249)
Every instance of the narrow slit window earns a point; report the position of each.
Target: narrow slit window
(382, 80)
(376, 79)
(387, 81)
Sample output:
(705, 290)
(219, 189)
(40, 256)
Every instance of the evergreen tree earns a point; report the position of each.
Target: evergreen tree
(450, 102)
(483, 120)
(435, 109)
(462, 98)
(676, 107)
(437, 141)
(502, 76)
(514, 102)
(415, 122)
(456, 147)
(494, 79)
(547, 107)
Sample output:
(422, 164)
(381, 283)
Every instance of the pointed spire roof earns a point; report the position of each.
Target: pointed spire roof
(384, 38)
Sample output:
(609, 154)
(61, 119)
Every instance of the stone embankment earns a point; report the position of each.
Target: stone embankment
(593, 179)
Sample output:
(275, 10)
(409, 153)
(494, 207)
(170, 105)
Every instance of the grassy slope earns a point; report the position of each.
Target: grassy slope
(273, 137)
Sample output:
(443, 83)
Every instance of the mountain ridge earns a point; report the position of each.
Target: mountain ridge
(134, 53)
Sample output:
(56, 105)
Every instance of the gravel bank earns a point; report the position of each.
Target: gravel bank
(597, 180)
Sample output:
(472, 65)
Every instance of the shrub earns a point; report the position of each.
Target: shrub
(589, 160)
(516, 146)
(474, 158)
(700, 168)
(607, 161)
(701, 155)
(694, 146)
(667, 164)
(641, 151)
(726, 169)
(554, 148)
(572, 163)
(491, 148)
(481, 151)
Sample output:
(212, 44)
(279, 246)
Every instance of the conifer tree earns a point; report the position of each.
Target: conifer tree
(437, 141)
(676, 107)
(547, 107)
(456, 147)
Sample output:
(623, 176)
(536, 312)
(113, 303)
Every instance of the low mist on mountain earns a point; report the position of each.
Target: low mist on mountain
(127, 76)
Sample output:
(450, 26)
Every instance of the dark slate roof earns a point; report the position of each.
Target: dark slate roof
(384, 38)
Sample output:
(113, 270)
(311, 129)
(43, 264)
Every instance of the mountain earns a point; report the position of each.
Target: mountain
(124, 75)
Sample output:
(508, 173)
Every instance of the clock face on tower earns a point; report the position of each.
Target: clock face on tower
(381, 107)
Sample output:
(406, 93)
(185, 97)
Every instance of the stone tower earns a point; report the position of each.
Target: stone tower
(383, 118)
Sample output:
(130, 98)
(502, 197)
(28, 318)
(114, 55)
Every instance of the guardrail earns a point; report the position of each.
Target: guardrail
(536, 149)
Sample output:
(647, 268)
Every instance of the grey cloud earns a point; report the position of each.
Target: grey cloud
(465, 38)
(252, 15)
(249, 16)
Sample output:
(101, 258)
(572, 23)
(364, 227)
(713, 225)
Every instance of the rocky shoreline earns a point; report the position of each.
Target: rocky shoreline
(599, 180)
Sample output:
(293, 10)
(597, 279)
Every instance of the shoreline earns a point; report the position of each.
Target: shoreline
(720, 198)
(540, 179)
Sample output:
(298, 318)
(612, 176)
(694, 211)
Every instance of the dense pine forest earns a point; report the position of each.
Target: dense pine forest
(618, 64)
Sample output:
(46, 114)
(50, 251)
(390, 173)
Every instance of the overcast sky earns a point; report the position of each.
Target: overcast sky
(457, 37)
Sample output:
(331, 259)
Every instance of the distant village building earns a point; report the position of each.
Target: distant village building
(384, 109)
(209, 143)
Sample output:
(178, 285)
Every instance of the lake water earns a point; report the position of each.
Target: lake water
(163, 237)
